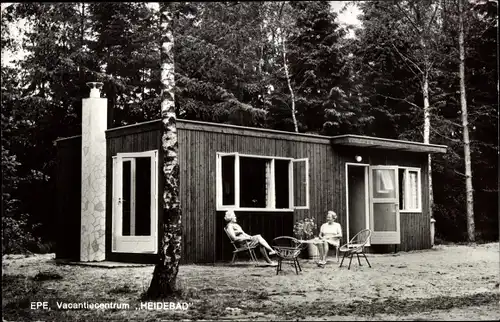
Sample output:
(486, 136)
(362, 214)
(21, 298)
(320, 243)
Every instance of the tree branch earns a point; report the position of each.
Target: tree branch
(432, 17)
(407, 59)
(400, 99)
(445, 137)
(409, 19)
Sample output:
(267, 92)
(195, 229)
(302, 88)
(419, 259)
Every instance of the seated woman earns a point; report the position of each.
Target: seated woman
(329, 234)
(236, 233)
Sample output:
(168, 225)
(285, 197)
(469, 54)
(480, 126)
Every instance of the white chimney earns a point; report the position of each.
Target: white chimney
(93, 213)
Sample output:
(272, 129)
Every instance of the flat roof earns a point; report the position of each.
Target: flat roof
(390, 144)
(342, 140)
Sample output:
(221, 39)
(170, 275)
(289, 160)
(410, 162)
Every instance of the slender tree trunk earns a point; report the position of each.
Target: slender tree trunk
(261, 62)
(287, 75)
(465, 124)
(164, 279)
(81, 72)
(427, 130)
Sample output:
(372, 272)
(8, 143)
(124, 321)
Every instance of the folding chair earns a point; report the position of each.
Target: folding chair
(356, 246)
(242, 246)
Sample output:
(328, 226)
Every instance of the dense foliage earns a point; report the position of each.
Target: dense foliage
(230, 69)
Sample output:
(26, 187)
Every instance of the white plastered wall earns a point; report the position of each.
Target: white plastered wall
(93, 211)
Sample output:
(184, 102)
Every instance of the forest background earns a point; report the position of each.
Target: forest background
(289, 66)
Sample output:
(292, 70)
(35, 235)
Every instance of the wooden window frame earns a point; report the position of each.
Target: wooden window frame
(406, 187)
(271, 192)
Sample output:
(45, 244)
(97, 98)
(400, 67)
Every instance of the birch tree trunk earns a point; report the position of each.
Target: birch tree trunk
(463, 102)
(287, 75)
(427, 130)
(164, 279)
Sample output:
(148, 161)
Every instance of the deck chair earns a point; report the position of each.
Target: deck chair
(242, 246)
(356, 246)
(288, 250)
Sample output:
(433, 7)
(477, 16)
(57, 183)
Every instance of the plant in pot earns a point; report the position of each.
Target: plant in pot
(305, 229)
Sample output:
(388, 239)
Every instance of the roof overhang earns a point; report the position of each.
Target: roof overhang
(388, 144)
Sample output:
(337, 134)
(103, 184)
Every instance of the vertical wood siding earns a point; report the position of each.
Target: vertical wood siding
(415, 227)
(204, 237)
(204, 240)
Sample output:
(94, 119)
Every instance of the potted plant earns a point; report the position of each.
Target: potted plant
(305, 229)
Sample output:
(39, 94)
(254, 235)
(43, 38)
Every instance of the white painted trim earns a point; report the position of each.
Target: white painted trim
(133, 178)
(346, 171)
(116, 195)
(256, 209)
(262, 156)
(218, 179)
(237, 180)
(367, 202)
(271, 189)
(357, 164)
(154, 200)
(291, 197)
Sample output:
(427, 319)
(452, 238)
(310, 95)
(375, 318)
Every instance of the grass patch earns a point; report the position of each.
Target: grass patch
(124, 289)
(393, 306)
(221, 292)
(47, 276)
(18, 291)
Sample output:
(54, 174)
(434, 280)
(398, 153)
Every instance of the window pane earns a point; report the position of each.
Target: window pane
(253, 183)
(282, 183)
(143, 197)
(228, 180)
(384, 180)
(413, 193)
(126, 194)
(401, 175)
(299, 184)
(384, 217)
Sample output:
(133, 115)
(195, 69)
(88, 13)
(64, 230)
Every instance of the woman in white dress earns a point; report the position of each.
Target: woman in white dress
(329, 234)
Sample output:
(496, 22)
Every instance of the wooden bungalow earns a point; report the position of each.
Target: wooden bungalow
(270, 178)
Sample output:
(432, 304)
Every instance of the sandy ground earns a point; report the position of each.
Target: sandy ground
(424, 279)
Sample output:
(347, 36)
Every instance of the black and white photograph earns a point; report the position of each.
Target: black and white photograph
(250, 161)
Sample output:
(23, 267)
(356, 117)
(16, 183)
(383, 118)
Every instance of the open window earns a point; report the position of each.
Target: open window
(250, 182)
(410, 196)
(300, 184)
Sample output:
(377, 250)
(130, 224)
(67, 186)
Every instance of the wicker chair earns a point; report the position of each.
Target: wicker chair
(242, 246)
(288, 250)
(356, 246)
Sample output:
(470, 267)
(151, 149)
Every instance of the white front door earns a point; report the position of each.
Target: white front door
(384, 205)
(135, 203)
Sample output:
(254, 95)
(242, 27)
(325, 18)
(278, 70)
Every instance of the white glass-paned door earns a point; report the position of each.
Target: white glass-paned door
(384, 203)
(135, 203)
